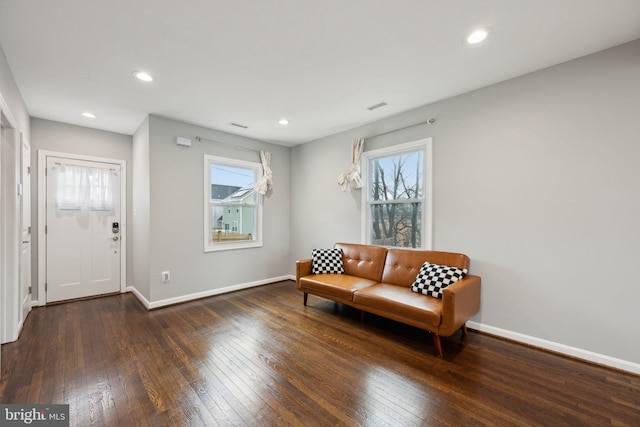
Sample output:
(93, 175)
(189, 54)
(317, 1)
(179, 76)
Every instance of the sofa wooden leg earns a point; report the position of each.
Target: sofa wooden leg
(305, 298)
(464, 329)
(436, 342)
(361, 315)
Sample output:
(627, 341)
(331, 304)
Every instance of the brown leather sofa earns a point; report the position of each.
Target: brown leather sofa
(378, 280)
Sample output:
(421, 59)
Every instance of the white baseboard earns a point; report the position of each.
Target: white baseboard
(190, 297)
(578, 353)
(149, 305)
(139, 296)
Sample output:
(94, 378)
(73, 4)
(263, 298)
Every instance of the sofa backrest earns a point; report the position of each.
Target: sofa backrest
(403, 265)
(364, 261)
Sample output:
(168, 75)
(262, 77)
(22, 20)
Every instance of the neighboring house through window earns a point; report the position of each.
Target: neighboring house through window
(233, 208)
(397, 196)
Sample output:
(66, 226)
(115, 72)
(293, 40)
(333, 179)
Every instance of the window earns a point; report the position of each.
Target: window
(397, 196)
(82, 187)
(232, 206)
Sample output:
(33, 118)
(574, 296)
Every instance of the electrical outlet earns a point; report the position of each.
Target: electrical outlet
(166, 276)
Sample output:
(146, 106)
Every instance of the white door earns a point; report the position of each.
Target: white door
(82, 228)
(25, 249)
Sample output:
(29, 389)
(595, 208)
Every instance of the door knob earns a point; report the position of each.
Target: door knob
(115, 238)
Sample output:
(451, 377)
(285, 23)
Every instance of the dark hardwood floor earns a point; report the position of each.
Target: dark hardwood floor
(259, 357)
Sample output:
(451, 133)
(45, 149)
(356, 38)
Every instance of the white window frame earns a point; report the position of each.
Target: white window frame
(210, 246)
(425, 144)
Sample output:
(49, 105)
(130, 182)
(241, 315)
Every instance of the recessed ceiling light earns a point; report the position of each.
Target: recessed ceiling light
(283, 122)
(478, 36)
(143, 75)
(89, 115)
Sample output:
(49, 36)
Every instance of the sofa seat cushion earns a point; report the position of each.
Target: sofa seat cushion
(400, 301)
(339, 285)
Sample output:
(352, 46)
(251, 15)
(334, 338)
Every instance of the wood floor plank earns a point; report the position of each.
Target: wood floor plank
(282, 395)
(258, 357)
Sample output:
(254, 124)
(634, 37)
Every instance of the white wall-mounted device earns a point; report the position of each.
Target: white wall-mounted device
(185, 142)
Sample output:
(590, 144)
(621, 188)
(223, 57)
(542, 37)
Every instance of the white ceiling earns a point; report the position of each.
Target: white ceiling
(318, 63)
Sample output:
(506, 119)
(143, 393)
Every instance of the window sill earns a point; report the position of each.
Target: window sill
(229, 246)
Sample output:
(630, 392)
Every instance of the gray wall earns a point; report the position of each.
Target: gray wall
(176, 188)
(536, 179)
(140, 210)
(64, 138)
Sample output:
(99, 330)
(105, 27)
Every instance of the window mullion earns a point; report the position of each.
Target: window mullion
(396, 201)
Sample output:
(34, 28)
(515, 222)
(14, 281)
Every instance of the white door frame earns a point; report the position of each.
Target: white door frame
(9, 250)
(42, 216)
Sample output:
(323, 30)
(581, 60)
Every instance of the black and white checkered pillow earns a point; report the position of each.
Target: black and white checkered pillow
(433, 278)
(327, 261)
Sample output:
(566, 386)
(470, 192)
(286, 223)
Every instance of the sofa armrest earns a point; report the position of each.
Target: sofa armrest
(460, 302)
(303, 268)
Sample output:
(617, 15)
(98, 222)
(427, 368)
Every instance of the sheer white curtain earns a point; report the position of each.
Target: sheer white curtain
(353, 179)
(266, 182)
(81, 187)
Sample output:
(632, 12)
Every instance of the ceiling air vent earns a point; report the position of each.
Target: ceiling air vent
(373, 107)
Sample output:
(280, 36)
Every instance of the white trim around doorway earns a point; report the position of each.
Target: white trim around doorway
(42, 214)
